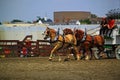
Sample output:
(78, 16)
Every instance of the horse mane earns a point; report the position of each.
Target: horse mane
(52, 30)
(67, 31)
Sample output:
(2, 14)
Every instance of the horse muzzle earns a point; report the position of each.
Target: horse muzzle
(45, 37)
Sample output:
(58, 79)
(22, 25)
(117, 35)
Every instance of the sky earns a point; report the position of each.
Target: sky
(28, 10)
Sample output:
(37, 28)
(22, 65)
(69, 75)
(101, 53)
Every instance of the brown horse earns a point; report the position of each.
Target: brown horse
(86, 42)
(89, 42)
(67, 31)
(60, 41)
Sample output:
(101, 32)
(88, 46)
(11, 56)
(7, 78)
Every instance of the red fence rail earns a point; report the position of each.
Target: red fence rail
(14, 48)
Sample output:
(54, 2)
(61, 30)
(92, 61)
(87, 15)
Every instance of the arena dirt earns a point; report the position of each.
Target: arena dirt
(39, 68)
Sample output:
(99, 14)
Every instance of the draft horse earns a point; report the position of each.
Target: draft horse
(60, 41)
(86, 42)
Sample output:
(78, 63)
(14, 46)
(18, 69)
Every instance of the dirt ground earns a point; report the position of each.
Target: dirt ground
(39, 68)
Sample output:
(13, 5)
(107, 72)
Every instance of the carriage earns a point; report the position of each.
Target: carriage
(112, 44)
(111, 47)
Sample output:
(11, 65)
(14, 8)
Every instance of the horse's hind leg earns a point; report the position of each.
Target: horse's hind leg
(88, 54)
(68, 53)
(74, 54)
(101, 50)
(99, 53)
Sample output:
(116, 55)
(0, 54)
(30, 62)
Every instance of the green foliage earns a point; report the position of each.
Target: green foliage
(86, 21)
(93, 16)
(43, 19)
(29, 22)
(107, 37)
(114, 13)
(16, 20)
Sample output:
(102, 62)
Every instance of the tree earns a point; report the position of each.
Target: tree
(114, 13)
(93, 16)
(86, 21)
(49, 20)
(42, 20)
(16, 20)
(39, 18)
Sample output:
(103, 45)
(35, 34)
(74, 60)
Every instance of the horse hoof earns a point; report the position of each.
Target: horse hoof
(59, 60)
(87, 58)
(66, 59)
(50, 59)
(82, 58)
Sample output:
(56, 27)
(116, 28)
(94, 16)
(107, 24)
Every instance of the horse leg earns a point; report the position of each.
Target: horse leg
(74, 54)
(83, 54)
(87, 49)
(87, 54)
(69, 52)
(54, 50)
(77, 53)
(91, 52)
(101, 50)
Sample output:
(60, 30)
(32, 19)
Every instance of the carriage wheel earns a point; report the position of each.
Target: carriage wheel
(96, 53)
(110, 54)
(117, 52)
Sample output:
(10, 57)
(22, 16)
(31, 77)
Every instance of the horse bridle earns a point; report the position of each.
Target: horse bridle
(46, 35)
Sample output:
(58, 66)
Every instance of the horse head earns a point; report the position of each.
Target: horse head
(79, 34)
(49, 33)
(67, 31)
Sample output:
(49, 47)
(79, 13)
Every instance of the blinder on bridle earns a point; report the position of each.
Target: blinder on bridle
(47, 33)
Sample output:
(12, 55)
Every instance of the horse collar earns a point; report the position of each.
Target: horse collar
(55, 39)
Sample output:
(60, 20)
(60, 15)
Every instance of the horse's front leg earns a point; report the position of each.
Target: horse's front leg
(87, 55)
(57, 46)
(77, 52)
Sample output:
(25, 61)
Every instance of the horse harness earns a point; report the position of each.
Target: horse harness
(63, 42)
(84, 38)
